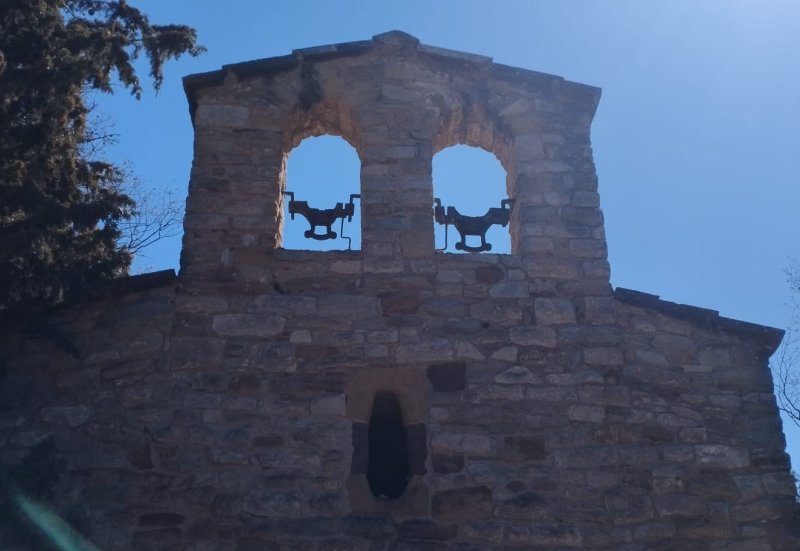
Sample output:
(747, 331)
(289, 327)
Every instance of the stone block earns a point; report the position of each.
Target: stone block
(221, 116)
(247, 325)
(553, 311)
(368, 527)
(549, 535)
(532, 335)
(161, 519)
(426, 530)
(603, 356)
(588, 414)
(509, 289)
(329, 406)
(447, 463)
(489, 275)
(159, 539)
(523, 506)
(466, 351)
(450, 276)
(599, 310)
(463, 504)
(527, 448)
(493, 312)
(628, 506)
(264, 503)
(721, 456)
(506, 354)
(551, 268)
(470, 444)
(517, 375)
(425, 351)
(71, 416)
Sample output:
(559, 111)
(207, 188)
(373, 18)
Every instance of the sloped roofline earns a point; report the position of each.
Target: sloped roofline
(769, 337)
(397, 40)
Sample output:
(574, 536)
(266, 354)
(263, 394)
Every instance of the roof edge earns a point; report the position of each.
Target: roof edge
(769, 337)
(392, 39)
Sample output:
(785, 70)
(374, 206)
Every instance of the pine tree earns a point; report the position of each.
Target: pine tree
(60, 209)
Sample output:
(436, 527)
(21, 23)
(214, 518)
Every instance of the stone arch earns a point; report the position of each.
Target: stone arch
(471, 123)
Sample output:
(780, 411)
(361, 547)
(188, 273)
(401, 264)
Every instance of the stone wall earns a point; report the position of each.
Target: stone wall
(230, 409)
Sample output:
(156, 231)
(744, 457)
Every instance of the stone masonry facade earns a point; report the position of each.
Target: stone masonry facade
(229, 408)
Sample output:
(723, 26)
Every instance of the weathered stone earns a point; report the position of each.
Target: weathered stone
(302, 336)
(400, 302)
(161, 519)
(629, 505)
(526, 505)
(272, 504)
(474, 444)
(425, 351)
(329, 406)
(552, 311)
(603, 356)
(426, 530)
(517, 375)
(509, 289)
(590, 414)
(141, 457)
(450, 276)
(248, 325)
(503, 314)
(449, 377)
(722, 456)
(164, 538)
(72, 416)
(360, 442)
(447, 464)
(466, 351)
(471, 503)
(528, 448)
(506, 354)
(371, 528)
(489, 274)
(553, 534)
(532, 335)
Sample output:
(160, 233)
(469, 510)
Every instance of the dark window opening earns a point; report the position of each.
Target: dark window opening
(388, 467)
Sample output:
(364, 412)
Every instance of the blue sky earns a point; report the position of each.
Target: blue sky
(696, 139)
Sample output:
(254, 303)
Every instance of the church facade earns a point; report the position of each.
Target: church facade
(398, 397)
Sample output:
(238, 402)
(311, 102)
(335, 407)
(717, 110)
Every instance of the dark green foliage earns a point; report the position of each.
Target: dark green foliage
(60, 210)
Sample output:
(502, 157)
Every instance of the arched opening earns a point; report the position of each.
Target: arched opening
(388, 468)
(472, 181)
(322, 171)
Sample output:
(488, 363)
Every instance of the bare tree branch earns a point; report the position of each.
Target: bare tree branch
(786, 367)
(158, 214)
